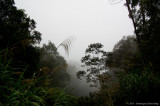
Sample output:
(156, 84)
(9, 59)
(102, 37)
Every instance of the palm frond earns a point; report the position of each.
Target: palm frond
(67, 43)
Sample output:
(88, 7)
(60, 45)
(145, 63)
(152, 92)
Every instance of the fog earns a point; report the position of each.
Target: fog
(90, 21)
(79, 52)
(76, 86)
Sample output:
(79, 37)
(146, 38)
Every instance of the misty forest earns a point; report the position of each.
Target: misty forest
(37, 75)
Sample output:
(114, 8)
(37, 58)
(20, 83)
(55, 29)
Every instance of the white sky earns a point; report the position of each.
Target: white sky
(90, 21)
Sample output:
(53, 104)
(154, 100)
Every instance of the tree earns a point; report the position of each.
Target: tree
(123, 58)
(16, 27)
(131, 80)
(145, 15)
(54, 65)
(125, 55)
(18, 35)
(94, 60)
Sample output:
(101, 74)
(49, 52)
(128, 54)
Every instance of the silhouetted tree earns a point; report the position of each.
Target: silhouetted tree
(145, 15)
(16, 27)
(94, 60)
(18, 35)
(54, 65)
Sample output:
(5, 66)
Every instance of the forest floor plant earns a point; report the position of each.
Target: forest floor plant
(15, 90)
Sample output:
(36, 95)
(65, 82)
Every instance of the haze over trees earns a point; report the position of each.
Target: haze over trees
(94, 62)
(37, 76)
(133, 61)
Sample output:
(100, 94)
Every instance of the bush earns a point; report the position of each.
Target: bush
(138, 87)
(16, 90)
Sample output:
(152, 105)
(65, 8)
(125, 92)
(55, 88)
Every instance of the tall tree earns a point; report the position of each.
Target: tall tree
(145, 15)
(16, 27)
(94, 60)
(18, 34)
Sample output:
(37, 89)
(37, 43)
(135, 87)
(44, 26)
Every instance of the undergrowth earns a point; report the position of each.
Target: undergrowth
(16, 90)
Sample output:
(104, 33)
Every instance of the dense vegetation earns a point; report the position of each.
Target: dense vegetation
(133, 65)
(31, 75)
(28, 73)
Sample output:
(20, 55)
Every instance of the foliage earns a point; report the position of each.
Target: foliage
(136, 82)
(13, 88)
(52, 63)
(59, 97)
(142, 87)
(141, 83)
(50, 57)
(21, 80)
(16, 27)
(17, 90)
(29, 74)
(145, 15)
(18, 34)
(125, 55)
(89, 101)
(94, 61)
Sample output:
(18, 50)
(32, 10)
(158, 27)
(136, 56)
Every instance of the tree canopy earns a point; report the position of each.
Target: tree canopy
(18, 35)
(94, 62)
(54, 65)
(145, 15)
(16, 27)
(127, 75)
